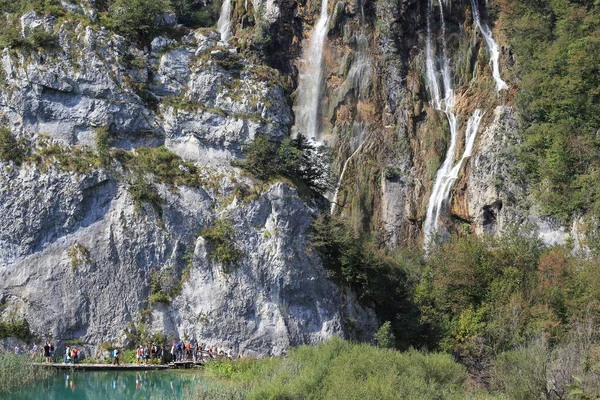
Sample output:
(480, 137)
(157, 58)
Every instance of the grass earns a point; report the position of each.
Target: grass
(18, 371)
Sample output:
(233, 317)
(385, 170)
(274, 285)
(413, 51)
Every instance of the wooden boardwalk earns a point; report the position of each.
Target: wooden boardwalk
(104, 367)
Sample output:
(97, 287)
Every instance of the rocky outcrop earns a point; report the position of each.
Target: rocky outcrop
(79, 255)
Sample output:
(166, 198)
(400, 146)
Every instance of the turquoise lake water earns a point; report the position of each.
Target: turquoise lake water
(109, 385)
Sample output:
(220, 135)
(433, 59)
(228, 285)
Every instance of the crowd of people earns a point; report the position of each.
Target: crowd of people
(180, 351)
(183, 351)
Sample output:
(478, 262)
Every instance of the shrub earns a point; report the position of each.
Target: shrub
(10, 148)
(221, 236)
(42, 39)
(17, 329)
(135, 19)
(293, 158)
(384, 338)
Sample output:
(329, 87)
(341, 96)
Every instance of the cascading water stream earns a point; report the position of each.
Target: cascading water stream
(311, 77)
(224, 23)
(440, 195)
(493, 47)
(437, 194)
(448, 171)
(340, 180)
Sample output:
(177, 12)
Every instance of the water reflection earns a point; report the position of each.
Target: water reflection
(109, 385)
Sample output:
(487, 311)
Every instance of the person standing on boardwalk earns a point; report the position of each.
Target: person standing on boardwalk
(138, 354)
(116, 357)
(35, 351)
(47, 351)
(75, 354)
(67, 358)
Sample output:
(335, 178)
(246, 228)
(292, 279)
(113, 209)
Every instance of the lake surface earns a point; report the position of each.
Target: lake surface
(109, 385)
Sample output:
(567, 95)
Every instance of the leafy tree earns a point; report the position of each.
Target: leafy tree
(135, 19)
(384, 338)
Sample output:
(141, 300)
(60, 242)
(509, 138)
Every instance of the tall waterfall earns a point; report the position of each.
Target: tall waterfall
(224, 23)
(448, 171)
(311, 77)
(493, 47)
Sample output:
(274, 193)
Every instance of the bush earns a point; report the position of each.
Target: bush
(17, 329)
(384, 338)
(340, 370)
(196, 14)
(135, 19)
(42, 39)
(10, 148)
(221, 236)
(293, 158)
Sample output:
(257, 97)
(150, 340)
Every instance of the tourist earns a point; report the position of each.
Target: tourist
(241, 355)
(116, 357)
(18, 349)
(75, 354)
(35, 351)
(47, 351)
(67, 358)
(210, 352)
(201, 351)
(220, 352)
(188, 350)
(51, 352)
(138, 355)
(194, 350)
(146, 355)
(230, 353)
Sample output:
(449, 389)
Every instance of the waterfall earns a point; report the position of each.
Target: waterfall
(446, 105)
(445, 178)
(224, 23)
(311, 77)
(493, 47)
(339, 182)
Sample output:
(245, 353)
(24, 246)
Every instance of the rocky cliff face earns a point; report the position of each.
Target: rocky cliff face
(79, 254)
(81, 250)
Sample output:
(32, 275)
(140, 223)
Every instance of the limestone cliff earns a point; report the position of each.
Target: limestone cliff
(86, 241)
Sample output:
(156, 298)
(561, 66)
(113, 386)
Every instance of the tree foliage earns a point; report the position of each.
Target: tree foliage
(298, 159)
(557, 48)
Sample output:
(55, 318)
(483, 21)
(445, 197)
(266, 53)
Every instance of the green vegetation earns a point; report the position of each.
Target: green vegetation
(297, 159)
(15, 328)
(341, 370)
(18, 371)
(10, 148)
(134, 19)
(499, 305)
(221, 236)
(78, 255)
(557, 48)
(381, 281)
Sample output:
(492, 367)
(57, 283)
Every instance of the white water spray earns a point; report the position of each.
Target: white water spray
(448, 171)
(224, 23)
(445, 178)
(493, 47)
(311, 77)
